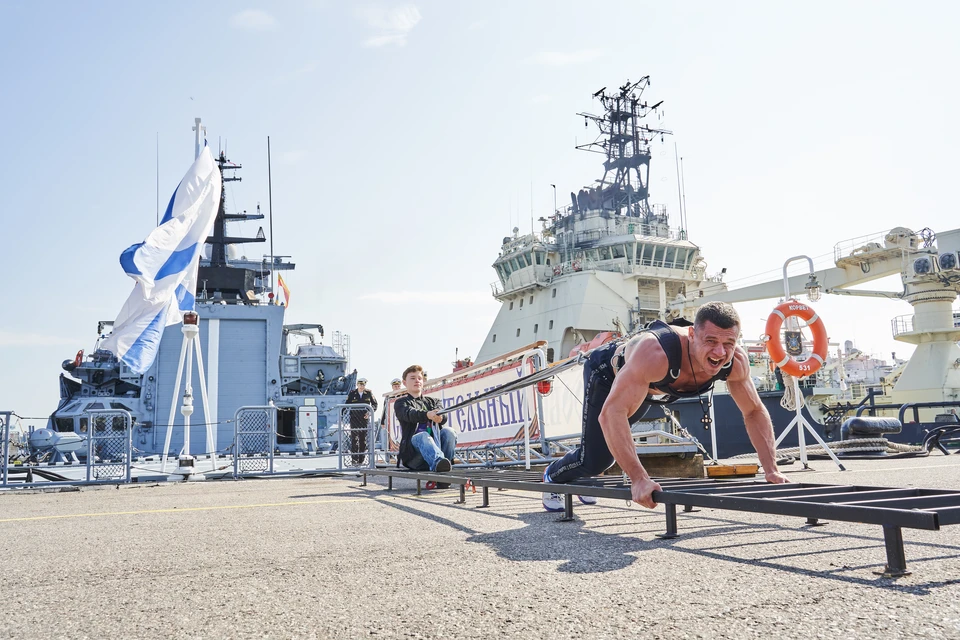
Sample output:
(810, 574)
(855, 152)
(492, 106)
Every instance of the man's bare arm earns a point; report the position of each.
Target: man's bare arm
(756, 419)
(647, 363)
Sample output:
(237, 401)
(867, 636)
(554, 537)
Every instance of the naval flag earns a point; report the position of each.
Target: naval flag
(286, 290)
(164, 267)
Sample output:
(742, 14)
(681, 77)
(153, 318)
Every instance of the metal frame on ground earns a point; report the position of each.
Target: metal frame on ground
(891, 508)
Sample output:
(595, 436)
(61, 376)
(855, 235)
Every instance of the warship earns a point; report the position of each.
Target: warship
(251, 357)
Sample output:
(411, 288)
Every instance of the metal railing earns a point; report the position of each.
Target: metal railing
(109, 445)
(356, 445)
(254, 440)
(901, 325)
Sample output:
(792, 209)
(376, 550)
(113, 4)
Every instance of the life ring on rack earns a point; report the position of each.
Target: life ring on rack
(557, 270)
(775, 347)
(79, 359)
(575, 265)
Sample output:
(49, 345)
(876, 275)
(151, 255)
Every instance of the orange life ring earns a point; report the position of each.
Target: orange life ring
(576, 265)
(775, 347)
(557, 270)
(79, 359)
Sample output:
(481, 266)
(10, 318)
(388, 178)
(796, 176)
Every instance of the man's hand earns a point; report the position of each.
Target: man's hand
(775, 477)
(434, 416)
(642, 492)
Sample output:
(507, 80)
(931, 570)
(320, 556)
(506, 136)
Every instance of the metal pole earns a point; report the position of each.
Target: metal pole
(270, 206)
(173, 407)
(713, 427)
(211, 442)
(5, 434)
(531, 405)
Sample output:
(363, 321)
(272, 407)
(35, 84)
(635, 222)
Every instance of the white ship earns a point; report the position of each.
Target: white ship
(610, 262)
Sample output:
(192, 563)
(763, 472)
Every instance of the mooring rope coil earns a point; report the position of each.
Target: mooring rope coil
(856, 445)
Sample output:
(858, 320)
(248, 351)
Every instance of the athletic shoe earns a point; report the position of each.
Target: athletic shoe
(443, 485)
(443, 465)
(553, 501)
(583, 499)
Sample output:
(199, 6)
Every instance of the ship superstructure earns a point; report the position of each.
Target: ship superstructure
(610, 261)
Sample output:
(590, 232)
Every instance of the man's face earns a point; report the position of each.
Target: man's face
(361, 387)
(414, 382)
(712, 347)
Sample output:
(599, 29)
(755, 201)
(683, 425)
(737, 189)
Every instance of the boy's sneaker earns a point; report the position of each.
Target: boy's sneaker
(553, 501)
(588, 499)
(443, 465)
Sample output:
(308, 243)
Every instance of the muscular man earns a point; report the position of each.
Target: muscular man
(658, 365)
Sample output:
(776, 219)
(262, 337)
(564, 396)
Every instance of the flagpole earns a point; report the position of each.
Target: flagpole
(270, 207)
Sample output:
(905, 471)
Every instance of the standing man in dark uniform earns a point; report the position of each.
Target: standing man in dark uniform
(359, 419)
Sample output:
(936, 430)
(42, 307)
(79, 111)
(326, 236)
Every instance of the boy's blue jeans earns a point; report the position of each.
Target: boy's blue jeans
(429, 453)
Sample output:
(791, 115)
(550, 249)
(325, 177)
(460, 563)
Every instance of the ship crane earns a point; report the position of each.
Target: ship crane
(929, 267)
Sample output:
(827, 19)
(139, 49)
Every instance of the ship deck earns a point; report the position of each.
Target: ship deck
(327, 557)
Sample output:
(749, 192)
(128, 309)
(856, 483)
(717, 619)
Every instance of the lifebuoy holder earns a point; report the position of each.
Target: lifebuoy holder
(775, 347)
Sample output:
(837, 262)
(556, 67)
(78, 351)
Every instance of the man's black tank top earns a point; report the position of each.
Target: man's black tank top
(672, 347)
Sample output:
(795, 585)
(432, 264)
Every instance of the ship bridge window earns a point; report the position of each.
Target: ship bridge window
(514, 264)
(618, 251)
(539, 256)
(604, 253)
(64, 424)
(671, 256)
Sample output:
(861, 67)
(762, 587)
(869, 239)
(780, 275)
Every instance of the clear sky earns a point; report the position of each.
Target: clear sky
(408, 139)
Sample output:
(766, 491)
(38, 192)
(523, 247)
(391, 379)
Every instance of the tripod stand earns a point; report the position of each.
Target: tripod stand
(801, 423)
(813, 292)
(191, 340)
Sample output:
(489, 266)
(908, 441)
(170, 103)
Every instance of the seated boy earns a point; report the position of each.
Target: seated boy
(419, 418)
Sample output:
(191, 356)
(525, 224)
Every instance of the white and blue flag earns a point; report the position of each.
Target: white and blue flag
(164, 267)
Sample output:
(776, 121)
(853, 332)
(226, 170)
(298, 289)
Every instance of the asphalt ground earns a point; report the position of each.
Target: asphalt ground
(327, 558)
